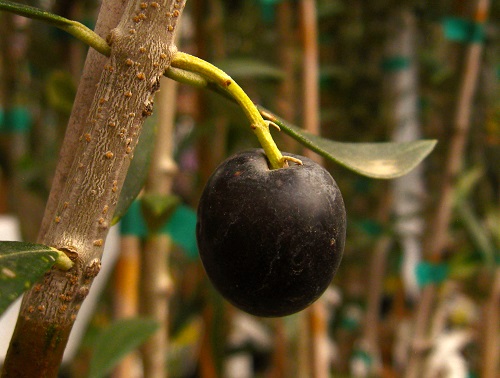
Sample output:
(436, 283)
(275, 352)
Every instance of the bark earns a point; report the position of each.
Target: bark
(102, 134)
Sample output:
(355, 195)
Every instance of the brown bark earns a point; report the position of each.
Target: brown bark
(102, 134)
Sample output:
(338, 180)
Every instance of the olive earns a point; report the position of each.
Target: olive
(270, 240)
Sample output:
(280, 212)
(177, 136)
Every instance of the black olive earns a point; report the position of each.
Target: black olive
(270, 240)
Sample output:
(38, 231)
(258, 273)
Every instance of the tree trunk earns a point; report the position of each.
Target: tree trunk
(100, 141)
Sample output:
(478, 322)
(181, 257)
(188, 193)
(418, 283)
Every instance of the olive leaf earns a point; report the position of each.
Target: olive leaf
(22, 264)
(118, 340)
(158, 209)
(250, 68)
(76, 29)
(61, 91)
(34, 13)
(138, 170)
(385, 160)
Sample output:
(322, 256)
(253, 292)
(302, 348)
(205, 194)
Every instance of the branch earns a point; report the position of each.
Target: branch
(96, 157)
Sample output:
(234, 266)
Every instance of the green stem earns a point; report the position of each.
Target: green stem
(259, 126)
(87, 36)
(74, 28)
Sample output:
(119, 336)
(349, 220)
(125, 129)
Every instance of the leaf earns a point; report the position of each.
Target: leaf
(61, 91)
(158, 209)
(250, 68)
(478, 233)
(377, 160)
(118, 340)
(72, 27)
(184, 348)
(35, 13)
(138, 170)
(22, 264)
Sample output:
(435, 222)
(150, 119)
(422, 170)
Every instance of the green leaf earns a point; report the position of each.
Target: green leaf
(158, 209)
(118, 340)
(61, 91)
(250, 68)
(138, 170)
(377, 160)
(35, 13)
(74, 28)
(22, 264)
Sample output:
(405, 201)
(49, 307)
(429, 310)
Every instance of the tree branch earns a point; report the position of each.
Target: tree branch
(102, 134)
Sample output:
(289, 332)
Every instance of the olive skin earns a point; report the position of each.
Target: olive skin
(270, 240)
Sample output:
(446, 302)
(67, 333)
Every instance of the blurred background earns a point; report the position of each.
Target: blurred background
(418, 290)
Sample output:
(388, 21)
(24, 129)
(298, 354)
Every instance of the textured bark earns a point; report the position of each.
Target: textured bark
(100, 145)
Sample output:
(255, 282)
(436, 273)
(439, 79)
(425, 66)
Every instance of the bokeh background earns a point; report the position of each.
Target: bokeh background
(418, 290)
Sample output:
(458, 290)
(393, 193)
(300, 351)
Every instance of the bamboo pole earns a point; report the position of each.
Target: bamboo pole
(316, 330)
(156, 283)
(310, 69)
(126, 293)
(491, 345)
(438, 234)
(286, 100)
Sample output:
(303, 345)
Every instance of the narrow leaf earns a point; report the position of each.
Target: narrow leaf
(118, 340)
(74, 28)
(250, 68)
(22, 264)
(35, 13)
(157, 209)
(377, 160)
(138, 170)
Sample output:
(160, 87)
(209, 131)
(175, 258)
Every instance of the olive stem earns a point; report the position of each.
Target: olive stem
(259, 126)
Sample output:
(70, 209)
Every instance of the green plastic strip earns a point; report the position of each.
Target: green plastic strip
(463, 30)
(133, 223)
(16, 120)
(364, 356)
(395, 63)
(181, 227)
(430, 273)
(267, 9)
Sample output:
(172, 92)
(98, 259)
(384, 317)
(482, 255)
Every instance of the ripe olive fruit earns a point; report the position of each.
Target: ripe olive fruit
(270, 240)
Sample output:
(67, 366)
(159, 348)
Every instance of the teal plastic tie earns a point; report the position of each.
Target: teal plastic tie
(364, 356)
(463, 30)
(396, 63)
(268, 9)
(430, 273)
(132, 223)
(181, 227)
(16, 120)
(371, 227)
